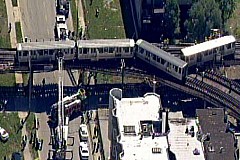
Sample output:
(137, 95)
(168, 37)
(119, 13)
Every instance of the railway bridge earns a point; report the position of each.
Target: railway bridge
(212, 87)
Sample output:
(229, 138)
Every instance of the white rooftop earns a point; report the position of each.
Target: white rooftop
(130, 111)
(181, 144)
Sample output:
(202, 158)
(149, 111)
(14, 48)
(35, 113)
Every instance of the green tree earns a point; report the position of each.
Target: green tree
(203, 16)
(171, 18)
(227, 8)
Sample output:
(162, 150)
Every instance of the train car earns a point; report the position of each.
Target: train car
(97, 49)
(45, 51)
(161, 59)
(213, 50)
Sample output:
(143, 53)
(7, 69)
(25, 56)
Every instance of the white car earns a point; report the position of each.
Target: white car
(83, 132)
(83, 151)
(4, 134)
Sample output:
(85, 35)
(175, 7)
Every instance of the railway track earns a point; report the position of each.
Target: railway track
(217, 77)
(215, 93)
(192, 86)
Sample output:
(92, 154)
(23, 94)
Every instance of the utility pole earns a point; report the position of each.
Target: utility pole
(60, 102)
(29, 84)
(122, 70)
(154, 84)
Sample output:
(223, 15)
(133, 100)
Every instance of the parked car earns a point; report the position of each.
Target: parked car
(83, 151)
(3, 134)
(17, 156)
(83, 133)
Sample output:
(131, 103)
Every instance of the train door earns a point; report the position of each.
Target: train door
(147, 57)
(199, 57)
(34, 55)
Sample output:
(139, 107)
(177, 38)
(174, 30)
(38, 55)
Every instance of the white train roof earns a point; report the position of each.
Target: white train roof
(208, 45)
(161, 53)
(100, 43)
(45, 45)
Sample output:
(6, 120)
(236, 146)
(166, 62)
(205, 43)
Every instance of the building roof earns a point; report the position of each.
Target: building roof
(131, 112)
(161, 53)
(100, 43)
(181, 144)
(208, 45)
(45, 45)
(220, 144)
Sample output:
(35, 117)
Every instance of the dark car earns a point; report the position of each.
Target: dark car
(17, 156)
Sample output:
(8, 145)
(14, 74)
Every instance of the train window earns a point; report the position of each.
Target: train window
(154, 57)
(158, 59)
(221, 48)
(229, 46)
(233, 45)
(205, 53)
(209, 52)
(126, 49)
(191, 58)
(46, 52)
(40, 52)
(162, 61)
(147, 54)
(84, 50)
(175, 68)
(51, 52)
(80, 50)
(33, 53)
(105, 49)
(141, 50)
(19, 53)
(100, 50)
(180, 70)
(25, 53)
(111, 50)
(72, 51)
(93, 50)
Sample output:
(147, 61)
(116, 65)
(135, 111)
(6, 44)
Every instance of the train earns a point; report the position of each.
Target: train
(161, 59)
(212, 50)
(103, 49)
(83, 49)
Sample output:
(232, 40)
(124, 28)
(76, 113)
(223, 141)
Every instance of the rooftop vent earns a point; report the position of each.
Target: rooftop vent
(221, 149)
(156, 150)
(211, 148)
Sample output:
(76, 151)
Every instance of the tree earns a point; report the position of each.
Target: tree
(203, 16)
(227, 8)
(171, 18)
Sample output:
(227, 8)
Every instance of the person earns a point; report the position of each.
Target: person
(97, 12)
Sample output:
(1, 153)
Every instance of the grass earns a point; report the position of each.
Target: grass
(74, 14)
(4, 35)
(14, 3)
(29, 128)
(110, 79)
(18, 32)
(108, 24)
(7, 79)
(10, 122)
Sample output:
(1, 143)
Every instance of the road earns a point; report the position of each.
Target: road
(38, 19)
(44, 131)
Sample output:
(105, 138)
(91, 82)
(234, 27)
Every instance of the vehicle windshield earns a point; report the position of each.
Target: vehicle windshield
(84, 151)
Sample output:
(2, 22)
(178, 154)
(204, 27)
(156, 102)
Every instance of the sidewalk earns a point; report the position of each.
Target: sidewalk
(81, 15)
(11, 19)
(26, 151)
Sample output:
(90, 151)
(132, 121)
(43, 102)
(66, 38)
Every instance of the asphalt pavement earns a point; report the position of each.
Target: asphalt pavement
(38, 19)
